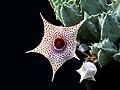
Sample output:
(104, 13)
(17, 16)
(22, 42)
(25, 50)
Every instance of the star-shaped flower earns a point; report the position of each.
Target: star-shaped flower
(58, 44)
(87, 71)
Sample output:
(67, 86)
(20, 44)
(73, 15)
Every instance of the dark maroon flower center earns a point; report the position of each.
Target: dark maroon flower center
(59, 43)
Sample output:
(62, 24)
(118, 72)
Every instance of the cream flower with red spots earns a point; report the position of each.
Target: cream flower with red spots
(58, 44)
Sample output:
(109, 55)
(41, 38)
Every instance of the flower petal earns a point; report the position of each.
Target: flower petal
(52, 34)
(87, 71)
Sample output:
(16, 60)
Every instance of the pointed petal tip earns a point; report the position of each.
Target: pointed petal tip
(42, 17)
(45, 22)
(77, 70)
(75, 56)
(30, 51)
(81, 79)
(53, 77)
(91, 78)
(27, 52)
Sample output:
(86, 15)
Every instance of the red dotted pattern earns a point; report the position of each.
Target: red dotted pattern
(54, 35)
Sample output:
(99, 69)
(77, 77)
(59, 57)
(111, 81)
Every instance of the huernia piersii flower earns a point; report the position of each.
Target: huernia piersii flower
(87, 71)
(58, 44)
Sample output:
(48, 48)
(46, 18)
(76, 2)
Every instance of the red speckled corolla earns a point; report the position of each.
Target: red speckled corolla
(58, 44)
